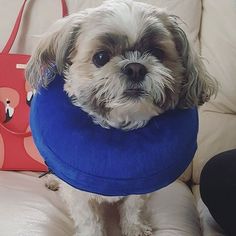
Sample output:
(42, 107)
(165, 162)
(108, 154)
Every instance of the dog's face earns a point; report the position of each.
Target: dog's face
(124, 62)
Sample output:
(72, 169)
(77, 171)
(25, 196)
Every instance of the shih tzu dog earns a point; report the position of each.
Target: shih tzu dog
(123, 62)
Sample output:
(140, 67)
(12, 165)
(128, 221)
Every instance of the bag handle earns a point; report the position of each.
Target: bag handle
(64, 8)
(15, 30)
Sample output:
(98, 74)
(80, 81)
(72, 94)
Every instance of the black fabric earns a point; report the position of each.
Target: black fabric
(218, 189)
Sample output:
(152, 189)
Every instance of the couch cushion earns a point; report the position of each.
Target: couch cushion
(37, 19)
(218, 117)
(174, 211)
(208, 225)
(29, 208)
(188, 10)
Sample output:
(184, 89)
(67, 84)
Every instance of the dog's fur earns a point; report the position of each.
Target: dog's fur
(128, 32)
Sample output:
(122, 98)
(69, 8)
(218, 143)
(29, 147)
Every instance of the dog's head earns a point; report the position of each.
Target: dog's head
(123, 63)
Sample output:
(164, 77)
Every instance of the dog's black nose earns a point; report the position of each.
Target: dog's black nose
(135, 71)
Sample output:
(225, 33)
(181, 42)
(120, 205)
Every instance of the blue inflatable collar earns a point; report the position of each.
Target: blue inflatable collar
(110, 161)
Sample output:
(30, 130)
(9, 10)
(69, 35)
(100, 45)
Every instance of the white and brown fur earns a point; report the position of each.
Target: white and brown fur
(130, 32)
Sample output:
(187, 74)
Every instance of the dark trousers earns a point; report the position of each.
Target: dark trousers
(218, 189)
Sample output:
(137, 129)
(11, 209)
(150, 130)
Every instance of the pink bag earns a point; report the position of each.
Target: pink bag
(17, 150)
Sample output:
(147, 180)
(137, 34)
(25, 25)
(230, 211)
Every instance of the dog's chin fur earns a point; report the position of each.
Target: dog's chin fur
(130, 32)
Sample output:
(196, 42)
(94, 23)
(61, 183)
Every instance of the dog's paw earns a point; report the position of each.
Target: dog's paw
(90, 230)
(137, 230)
(89, 234)
(82, 234)
(51, 183)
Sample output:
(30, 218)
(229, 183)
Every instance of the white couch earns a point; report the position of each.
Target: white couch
(28, 208)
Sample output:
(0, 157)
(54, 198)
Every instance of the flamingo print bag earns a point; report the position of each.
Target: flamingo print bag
(17, 150)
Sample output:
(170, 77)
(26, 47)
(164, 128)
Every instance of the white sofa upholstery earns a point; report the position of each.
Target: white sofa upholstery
(28, 208)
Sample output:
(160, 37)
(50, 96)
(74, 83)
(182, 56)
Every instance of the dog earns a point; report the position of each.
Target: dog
(124, 62)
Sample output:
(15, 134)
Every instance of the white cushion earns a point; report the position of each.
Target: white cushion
(39, 15)
(208, 225)
(217, 118)
(191, 16)
(174, 211)
(29, 208)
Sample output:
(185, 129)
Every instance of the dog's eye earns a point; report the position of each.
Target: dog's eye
(158, 53)
(101, 58)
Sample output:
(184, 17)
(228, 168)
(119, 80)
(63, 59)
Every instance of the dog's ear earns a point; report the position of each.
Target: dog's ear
(52, 53)
(198, 86)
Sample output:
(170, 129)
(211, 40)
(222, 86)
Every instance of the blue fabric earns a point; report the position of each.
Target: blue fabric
(110, 161)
